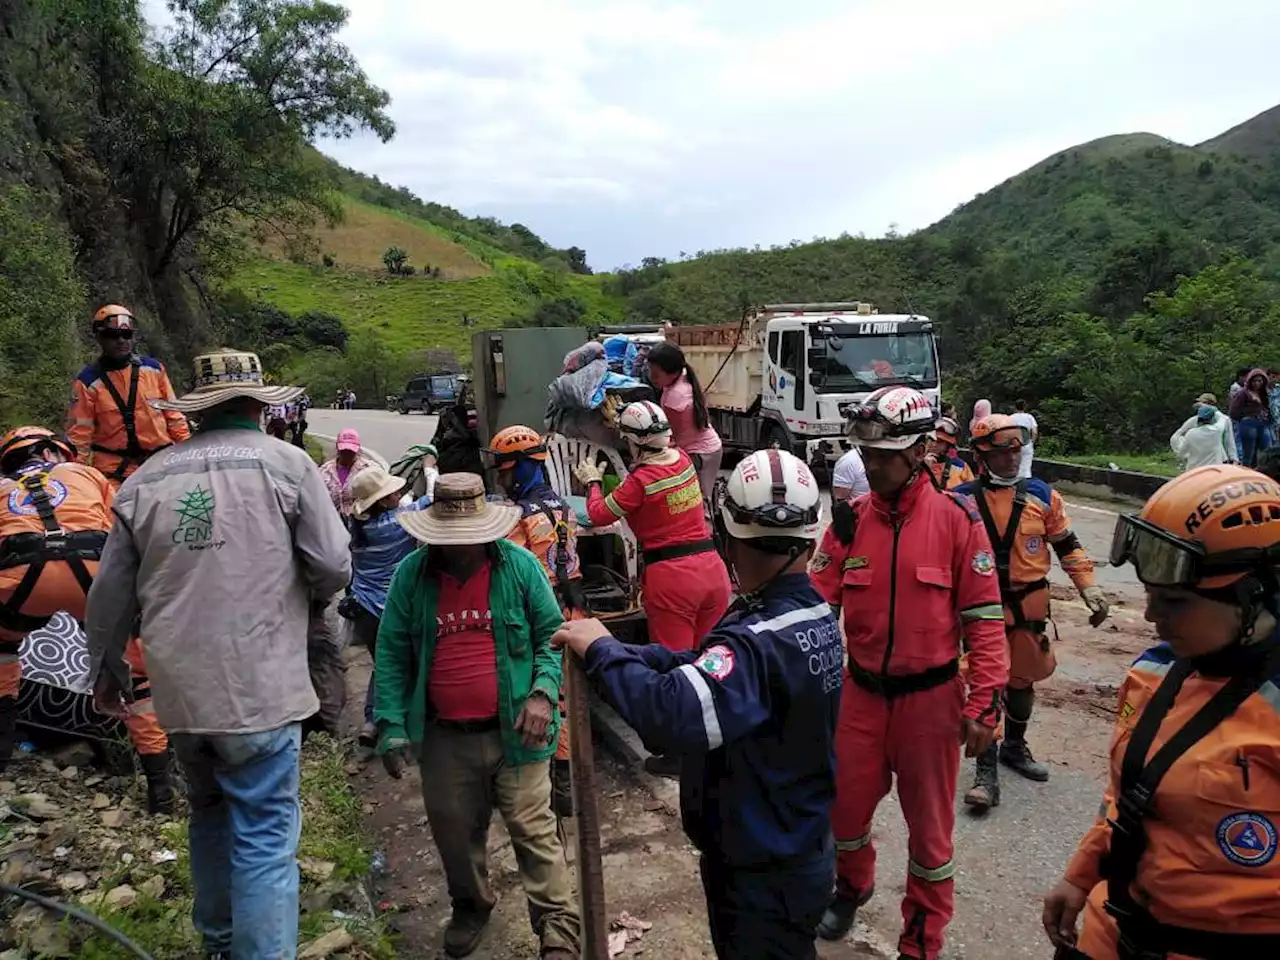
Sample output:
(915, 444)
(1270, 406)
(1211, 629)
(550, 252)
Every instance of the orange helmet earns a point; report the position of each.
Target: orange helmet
(113, 317)
(997, 432)
(1207, 529)
(22, 443)
(515, 443)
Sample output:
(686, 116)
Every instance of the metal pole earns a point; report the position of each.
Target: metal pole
(595, 925)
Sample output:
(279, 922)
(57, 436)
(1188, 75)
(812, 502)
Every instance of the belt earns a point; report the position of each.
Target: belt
(22, 549)
(677, 550)
(900, 684)
(1143, 937)
(470, 726)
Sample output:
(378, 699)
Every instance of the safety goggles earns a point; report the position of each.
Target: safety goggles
(504, 459)
(869, 426)
(1161, 559)
(1004, 439)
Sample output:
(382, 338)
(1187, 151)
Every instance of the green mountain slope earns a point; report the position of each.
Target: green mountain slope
(1258, 137)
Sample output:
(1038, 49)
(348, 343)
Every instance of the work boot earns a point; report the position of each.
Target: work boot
(663, 766)
(368, 735)
(1016, 755)
(155, 766)
(561, 789)
(8, 729)
(838, 919)
(466, 927)
(985, 792)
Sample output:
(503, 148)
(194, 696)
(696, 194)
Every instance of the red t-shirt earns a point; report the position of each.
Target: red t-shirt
(463, 684)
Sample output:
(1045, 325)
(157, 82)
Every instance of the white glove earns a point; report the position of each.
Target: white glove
(587, 473)
(1096, 601)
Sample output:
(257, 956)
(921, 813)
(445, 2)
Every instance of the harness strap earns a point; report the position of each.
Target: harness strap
(946, 473)
(570, 591)
(132, 450)
(1013, 599)
(1002, 541)
(1140, 932)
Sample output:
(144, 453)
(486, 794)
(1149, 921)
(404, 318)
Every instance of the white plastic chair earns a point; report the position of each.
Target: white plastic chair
(565, 453)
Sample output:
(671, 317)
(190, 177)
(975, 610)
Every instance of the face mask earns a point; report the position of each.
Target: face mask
(1206, 412)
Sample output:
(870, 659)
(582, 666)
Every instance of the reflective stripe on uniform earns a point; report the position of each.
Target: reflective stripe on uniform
(612, 504)
(817, 611)
(710, 722)
(989, 611)
(848, 846)
(936, 875)
(82, 422)
(670, 483)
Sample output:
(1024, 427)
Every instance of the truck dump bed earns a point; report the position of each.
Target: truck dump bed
(728, 360)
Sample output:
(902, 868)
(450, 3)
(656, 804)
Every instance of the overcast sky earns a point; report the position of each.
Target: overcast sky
(646, 127)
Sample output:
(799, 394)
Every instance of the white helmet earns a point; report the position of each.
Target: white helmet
(892, 418)
(644, 423)
(771, 493)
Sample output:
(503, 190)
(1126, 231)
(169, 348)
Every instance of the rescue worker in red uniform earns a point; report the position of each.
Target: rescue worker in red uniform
(1182, 861)
(944, 457)
(111, 420)
(911, 568)
(549, 530)
(54, 518)
(1024, 519)
(684, 584)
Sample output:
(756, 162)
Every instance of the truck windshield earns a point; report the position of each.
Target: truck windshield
(871, 362)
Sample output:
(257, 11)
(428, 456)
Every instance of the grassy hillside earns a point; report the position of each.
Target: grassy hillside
(1258, 137)
(366, 231)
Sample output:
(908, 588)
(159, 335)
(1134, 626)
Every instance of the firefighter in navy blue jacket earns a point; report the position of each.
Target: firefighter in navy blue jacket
(753, 713)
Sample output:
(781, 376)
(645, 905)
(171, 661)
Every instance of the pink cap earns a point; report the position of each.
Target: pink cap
(349, 440)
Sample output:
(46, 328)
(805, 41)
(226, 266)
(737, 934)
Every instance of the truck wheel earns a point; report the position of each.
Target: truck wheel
(403, 410)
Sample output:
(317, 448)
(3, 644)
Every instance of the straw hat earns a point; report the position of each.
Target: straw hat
(227, 375)
(460, 515)
(369, 486)
(1208, 398)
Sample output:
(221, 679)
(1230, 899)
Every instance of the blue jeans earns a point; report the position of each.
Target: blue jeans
(1255, 436)
(245, 823)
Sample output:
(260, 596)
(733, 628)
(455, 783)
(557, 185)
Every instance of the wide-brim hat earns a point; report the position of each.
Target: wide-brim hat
(369, 486)
(459, 514)
(228, 375)
(1208, 398)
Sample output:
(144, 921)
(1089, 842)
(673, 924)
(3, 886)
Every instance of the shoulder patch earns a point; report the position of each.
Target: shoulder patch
(983, 563)
(716, 662)
(1040, 489)
(965, 502)
(1248, 838)
(821, 560)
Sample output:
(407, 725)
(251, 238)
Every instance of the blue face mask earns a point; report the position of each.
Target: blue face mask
(1206, 412)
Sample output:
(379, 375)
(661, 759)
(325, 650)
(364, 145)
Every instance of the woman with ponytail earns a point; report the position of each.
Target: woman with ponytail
(686, 408)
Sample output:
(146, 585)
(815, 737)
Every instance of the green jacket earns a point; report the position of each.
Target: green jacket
(525, 615)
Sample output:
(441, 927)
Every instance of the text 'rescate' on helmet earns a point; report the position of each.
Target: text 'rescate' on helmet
(23, 443)
(1207, 529)
(998, 432)
(771, 494)
(892, 418)
(947, 429)
(644, 423)
(113, 317)
(515, 443)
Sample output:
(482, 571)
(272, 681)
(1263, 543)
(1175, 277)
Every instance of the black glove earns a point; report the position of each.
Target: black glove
(843, 521)
(347, 607)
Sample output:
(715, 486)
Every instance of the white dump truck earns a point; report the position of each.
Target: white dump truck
(789, 371)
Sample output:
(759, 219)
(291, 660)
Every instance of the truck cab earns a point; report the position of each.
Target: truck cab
(818, 364)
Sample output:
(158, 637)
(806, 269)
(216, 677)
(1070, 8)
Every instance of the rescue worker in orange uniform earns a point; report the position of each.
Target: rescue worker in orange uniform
(944, 457)
(549, 529)
(1024, 519)
(1182, 861)
(54, 518)
(685, 585)
(111, 420)
(911, 568)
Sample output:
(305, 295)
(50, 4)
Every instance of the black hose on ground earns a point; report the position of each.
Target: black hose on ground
(66, 910)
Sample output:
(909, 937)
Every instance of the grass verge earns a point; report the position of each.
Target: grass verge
(332, 832)
(1158, 464)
